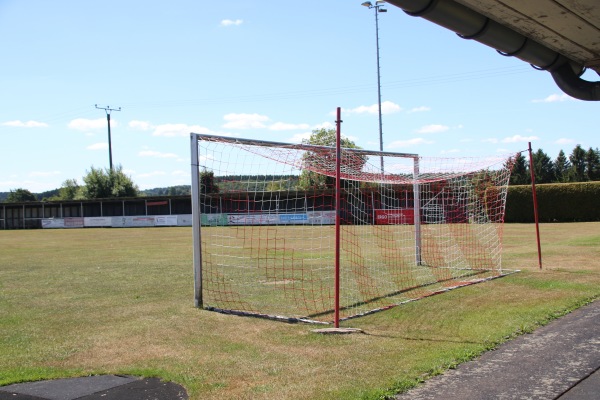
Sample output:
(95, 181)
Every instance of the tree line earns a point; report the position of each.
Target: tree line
(98, 183)
(580, 166)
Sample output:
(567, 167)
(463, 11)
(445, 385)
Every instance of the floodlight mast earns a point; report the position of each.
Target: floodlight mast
(378, 7)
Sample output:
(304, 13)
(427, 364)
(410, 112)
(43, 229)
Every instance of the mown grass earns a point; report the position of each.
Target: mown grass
(95, 301)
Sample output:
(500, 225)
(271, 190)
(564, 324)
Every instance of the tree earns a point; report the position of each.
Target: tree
(592, 164)
(207, 182)
(276, 186)
(577, 159)
(543, 167)
(520, 174)
(102, 184)
(70, 190)
(562, 168)
(323, 137)
(20, 195)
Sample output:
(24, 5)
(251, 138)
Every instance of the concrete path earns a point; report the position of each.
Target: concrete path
(558, 361)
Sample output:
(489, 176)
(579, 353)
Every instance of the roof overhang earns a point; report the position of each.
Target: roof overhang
(558, 36)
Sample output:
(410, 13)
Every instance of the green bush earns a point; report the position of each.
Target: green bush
(563, 202)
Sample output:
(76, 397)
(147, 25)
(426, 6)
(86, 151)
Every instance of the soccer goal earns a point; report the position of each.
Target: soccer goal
(313, 233)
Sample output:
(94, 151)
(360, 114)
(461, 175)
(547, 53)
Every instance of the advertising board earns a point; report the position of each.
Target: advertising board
(252, 219)
(165, 220)
(53, 223)
(401, 216)
(184, 220)
(74, 222)
(95, 222)
(131, 222)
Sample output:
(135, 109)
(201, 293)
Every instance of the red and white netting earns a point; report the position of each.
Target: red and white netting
(410, 226)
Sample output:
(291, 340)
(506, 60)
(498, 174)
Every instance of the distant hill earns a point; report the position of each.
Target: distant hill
(180, 190)
(47, 194)
(40, 196)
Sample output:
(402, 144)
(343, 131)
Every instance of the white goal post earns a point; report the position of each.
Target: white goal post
(267, 220)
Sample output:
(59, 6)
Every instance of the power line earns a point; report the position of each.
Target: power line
(336, 91)
(302, 94)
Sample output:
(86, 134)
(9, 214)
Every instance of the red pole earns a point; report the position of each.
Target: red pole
(535, 206)
(338, 156)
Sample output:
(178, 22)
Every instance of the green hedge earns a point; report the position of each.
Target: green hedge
(564, 202)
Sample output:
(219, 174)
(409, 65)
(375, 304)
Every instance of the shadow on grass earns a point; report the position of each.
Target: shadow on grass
(423, 339)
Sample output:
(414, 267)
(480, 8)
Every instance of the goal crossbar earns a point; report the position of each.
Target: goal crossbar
(297, 146)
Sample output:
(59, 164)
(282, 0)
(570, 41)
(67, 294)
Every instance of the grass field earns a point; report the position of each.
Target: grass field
(96, 301)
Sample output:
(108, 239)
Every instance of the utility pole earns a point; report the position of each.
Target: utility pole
(108, 110)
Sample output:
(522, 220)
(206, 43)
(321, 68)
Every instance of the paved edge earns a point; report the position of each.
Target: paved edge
(587, 388)
(545, 364)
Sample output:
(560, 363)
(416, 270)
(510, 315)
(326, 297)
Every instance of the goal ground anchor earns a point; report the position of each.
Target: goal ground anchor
(337, 331)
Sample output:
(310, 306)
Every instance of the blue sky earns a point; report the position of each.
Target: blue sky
(253, 69)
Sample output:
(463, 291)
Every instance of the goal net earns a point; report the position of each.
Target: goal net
(266, 241)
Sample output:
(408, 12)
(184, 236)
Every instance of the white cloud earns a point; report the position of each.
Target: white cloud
(282, 126)
(387, 107)
(23, 124)
(519, 138)
(490, 140)
(141, 125)
(245, 121)
(172, 130)
(564, 141)
(553, 98)
(298, 137)
(180, 173)
(156, 154)
(98, 146)
(408, 143)
(232, 22)
(433, 128)
(82, 124)
(324, 125)
(44, 173)
(419, 109)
